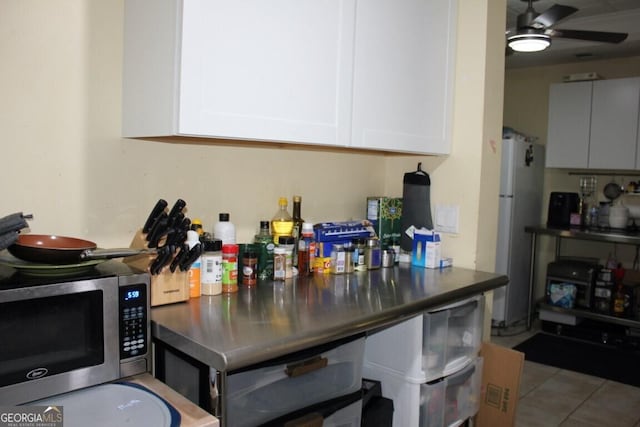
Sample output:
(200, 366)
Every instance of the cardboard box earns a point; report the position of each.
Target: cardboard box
(425, 251)
(385, 214)
(500, 389)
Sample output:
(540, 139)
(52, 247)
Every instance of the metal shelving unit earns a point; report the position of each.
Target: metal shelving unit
(601, 235)
(587, 314)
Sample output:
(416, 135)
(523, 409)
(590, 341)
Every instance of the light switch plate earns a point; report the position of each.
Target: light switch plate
(446, 220)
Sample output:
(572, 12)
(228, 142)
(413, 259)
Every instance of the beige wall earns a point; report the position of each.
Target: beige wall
(526, 109)
(65, 162)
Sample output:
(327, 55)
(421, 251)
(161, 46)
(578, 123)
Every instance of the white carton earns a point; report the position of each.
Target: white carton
(426, 249)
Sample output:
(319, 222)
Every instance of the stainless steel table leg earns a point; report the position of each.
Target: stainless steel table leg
(532, 276)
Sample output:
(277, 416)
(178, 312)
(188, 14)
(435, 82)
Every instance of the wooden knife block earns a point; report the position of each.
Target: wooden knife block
(166, 287)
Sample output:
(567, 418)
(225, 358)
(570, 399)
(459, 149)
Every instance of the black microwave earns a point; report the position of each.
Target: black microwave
(62, 332)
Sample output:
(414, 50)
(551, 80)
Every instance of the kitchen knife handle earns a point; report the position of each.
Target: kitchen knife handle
(157, 232)
(177, 207)
(164, 255)
(182, 254)
(156, 224)
(155, 212)
(176, 220)
(193, 255)
(176, 237)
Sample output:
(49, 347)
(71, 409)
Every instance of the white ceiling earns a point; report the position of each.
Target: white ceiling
(621, 16)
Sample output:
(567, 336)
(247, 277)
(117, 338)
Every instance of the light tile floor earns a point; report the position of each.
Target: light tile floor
(552, 397)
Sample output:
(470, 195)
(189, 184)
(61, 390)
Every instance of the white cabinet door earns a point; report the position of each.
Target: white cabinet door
(403, 75)
(614, 124)
(278, 70)
(568, 127)
(247, 69)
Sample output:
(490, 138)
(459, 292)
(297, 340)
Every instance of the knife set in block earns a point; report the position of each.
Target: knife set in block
(166, 287)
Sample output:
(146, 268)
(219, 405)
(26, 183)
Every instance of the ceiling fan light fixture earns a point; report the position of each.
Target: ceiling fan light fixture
(529, 42)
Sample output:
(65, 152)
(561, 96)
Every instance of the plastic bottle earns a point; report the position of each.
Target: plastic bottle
(282, 221)
(265, 251)
(229, 268)
(224, 229)
(618, 302)
(306, 250)
(211, 267)
(296, 232)
(194, 271)
(196, 225)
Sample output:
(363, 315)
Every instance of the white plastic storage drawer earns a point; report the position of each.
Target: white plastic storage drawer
(345, 411)
(443, 403)
(431, 345)
(272, 389)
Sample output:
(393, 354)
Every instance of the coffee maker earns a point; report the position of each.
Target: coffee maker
(561, 206)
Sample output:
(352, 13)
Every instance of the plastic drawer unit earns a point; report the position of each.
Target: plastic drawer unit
(445, 402)
(281, 386)
(345, 411)
(431, 345)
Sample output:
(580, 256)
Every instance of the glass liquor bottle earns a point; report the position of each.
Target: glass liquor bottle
(297, 227)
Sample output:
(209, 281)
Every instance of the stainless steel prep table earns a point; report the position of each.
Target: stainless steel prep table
(228, 332)
(596, 235)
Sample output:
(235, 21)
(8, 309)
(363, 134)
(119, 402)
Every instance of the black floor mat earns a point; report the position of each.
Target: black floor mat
(588, 358)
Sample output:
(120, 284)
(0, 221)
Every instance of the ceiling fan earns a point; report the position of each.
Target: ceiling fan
(534, 32)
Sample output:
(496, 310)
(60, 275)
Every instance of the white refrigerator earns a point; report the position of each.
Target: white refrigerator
(521, 182)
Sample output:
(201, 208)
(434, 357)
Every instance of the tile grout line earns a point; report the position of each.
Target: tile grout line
(584, 400)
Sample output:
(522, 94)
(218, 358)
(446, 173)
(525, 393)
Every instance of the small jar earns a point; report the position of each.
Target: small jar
(388, 257)
(359, 245)
(287, 243)
(229, 268)
(250, 267)
(372, 255)
(279, 263)
(338, 260)
(211, 267)
(349, 252)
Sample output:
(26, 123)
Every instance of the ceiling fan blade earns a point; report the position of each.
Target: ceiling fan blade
(596, 36)
(554, 14)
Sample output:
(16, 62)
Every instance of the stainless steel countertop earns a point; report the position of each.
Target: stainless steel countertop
(256, 324)
(596, 234)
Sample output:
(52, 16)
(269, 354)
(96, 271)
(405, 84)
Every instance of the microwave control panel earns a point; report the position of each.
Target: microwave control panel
(133, 321)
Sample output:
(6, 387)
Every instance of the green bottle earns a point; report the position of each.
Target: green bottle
(264, 241)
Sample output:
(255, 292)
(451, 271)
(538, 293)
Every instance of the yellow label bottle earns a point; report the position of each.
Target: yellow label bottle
(282, 222)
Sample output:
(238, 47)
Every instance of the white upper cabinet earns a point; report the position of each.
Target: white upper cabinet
(614, 124)
(250, 69)
(373, 74)
(404, 74)
(594, 124)
(568, 128)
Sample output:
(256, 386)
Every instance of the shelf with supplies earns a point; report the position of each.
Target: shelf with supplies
(600, 235)
(589, 314)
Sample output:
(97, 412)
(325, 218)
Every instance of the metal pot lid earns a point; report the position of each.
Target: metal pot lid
(612, 191)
